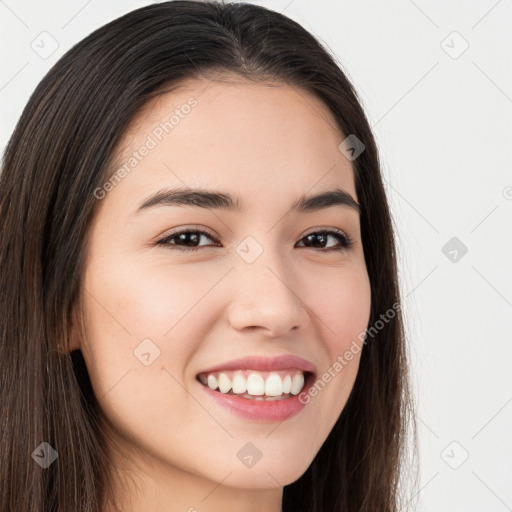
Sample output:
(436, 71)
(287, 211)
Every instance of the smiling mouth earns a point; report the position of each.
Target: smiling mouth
(257, 385)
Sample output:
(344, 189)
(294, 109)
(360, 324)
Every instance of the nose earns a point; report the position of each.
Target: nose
(266, 296)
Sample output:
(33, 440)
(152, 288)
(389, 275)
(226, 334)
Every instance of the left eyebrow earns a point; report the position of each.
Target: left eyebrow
(211, 199)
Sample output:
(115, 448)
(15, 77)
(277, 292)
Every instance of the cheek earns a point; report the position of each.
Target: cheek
(343, 306)
(126, 306)
(128, 303)
(149, 301)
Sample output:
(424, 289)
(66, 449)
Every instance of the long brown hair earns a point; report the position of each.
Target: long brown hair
(59, 154)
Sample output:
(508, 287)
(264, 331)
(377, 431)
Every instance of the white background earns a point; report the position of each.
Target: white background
(442, 119)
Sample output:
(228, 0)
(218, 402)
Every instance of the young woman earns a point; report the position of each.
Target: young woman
(199, 299)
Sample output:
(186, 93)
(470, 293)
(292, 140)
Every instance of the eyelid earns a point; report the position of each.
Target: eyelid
(322, 229)
(193, 227)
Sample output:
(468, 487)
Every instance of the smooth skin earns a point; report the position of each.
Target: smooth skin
(267, 144)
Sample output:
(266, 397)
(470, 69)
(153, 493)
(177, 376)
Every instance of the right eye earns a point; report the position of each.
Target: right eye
(187, 236)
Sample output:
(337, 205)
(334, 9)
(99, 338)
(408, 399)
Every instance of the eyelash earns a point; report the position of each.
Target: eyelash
(345, 241)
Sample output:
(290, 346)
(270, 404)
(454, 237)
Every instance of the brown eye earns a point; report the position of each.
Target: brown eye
(344, 242)
(187, 237)
(187, 240)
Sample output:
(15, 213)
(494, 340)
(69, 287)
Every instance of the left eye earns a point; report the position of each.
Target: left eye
(192, 237)
(186, 237)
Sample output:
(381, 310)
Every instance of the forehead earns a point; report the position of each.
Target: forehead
(250, 139)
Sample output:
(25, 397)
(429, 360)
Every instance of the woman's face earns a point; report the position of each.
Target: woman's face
(259, 284)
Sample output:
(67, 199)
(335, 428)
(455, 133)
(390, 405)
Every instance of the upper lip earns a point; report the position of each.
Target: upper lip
(264, 364)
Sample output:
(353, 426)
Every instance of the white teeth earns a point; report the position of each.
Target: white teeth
(255, 384)
(239, 384)
(297, 383)
(224, 383)
(212, 382)
(273, 385)
(287, 384)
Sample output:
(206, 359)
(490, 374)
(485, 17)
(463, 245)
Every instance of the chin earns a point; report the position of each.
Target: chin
(264, 476)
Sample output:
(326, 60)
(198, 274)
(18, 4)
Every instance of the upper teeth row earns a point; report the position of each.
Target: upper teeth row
(255, 384)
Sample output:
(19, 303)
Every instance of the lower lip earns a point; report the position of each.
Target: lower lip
(261, 410)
